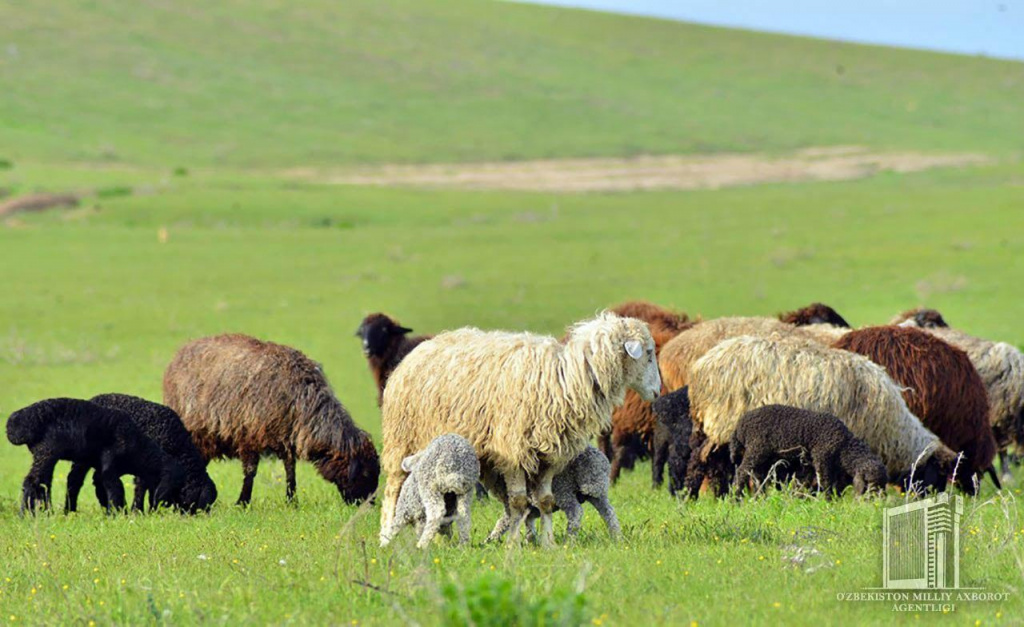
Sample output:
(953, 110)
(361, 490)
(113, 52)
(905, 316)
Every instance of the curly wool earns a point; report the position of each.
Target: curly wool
(747, 372)
(679, 354)
(939, 383)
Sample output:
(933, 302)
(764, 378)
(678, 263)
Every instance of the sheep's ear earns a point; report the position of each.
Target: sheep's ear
(410, 462)
(403, 330)
(634, 348)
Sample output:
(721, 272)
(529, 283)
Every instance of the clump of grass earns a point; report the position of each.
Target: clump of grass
(6, 164)
(493, 600)
(114, 192)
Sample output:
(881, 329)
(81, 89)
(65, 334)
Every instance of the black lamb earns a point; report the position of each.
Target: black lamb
(163, 425)
(97, 437)
(839, 459)
(672, 437)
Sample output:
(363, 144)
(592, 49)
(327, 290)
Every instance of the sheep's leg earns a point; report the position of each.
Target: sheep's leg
(388, 533)
(433, 505)
(392, 488)
(531, 524)
(289, 471)
(695, 472)
(546, 504)
(139, 498)
(658, 458)
(518, 502)
(36, 487)
(111, 480)
(250, 463)
(619, 452)
(607, 512)
(99, 490)
(502, 526)
(574, 513)
(463, 518)
(75, 480)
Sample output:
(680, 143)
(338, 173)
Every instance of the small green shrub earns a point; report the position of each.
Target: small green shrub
(493, 601)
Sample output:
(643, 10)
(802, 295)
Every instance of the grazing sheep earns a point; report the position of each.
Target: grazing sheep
(96, 437)
(924, 318)
(672, 435)
(680, 353)
(1001, 367)
(528, 403)
(164, 427)
(767, 434)
(584, 480)
(241, 398)
(940, 386)
(437, 491)
(385, 344)
(633, 424)
(815, 313)
(746, 372)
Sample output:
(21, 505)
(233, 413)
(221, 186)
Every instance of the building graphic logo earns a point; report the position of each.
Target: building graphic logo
(921, 544)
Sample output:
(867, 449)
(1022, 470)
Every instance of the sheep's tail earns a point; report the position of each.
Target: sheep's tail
(995, 478)
(26, 426)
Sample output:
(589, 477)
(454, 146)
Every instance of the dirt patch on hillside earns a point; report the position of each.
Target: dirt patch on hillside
(646, 173)
(37, 202)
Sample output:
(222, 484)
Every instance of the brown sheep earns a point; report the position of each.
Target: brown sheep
(924, 318)
(385, 344)
(941, 387)
(633, 424)
(241, 398)
(815, 313)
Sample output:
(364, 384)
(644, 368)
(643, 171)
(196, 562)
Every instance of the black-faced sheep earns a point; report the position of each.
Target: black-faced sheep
(1001, 367)
(940, 386)
(815, 313)
(437, 491)
(242, 398)
(164, 427)
(528, 403)
(773, 432)
(633, 424)
(745, 373)
(385, 344)
(584, 480)
(84, 433)
(672, 435)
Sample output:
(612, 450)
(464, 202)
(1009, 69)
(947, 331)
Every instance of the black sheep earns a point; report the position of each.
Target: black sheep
(767, 434)
(385, 344)
(101, 438)
(672, 437)
(163, 425)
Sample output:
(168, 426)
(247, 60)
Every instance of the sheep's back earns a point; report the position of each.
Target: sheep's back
(747, 372)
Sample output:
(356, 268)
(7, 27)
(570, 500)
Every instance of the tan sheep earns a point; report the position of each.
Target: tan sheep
(528, 403)
(747, 372)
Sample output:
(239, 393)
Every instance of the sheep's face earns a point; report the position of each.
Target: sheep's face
(870, 479)
(198, 496)
(355, 473)
(642, 367)
(378, 332)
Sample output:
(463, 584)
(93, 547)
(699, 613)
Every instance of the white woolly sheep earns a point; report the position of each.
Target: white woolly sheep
(585, 480)
(441, 482)
(746, 372)
(528, 403)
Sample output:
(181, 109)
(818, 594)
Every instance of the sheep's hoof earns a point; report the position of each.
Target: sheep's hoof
(518, 502)
(546, 504)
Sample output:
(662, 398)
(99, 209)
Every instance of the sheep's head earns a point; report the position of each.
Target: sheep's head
(355, 471)
(378, 333)
(673, 409)
(924, 318)
(198, 494)
(640, 359)
(815, 313)
(172, 478)
(870, 477)
(931, 475)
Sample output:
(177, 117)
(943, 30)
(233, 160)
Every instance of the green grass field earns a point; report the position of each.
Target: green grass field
(94, 301)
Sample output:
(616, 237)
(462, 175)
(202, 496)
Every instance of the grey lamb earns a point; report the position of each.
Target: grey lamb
(585, 479)
(440, 486)
(767, 434)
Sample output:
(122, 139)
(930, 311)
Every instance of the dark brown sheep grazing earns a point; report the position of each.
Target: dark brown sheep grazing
(942, 388)
(385, 344)
(242, 398)
(632, 435)
(815, 313)
(767, 434)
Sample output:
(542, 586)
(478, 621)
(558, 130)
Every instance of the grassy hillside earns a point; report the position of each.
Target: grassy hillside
(269, 83)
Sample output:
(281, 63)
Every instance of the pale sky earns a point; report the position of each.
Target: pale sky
(991, 27)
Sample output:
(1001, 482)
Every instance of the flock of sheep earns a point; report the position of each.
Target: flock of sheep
(743, 401)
